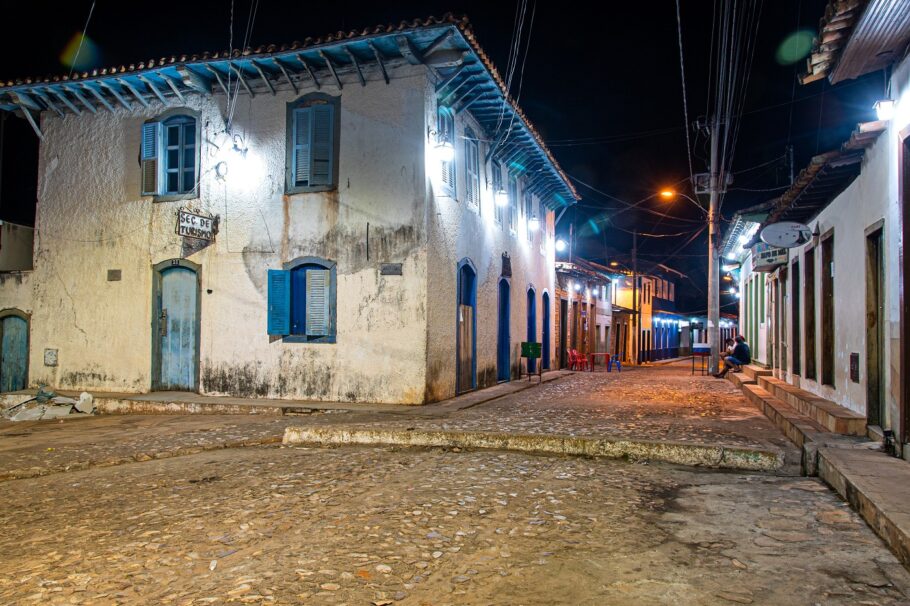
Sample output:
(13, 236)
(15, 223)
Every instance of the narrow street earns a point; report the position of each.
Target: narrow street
(267, 524)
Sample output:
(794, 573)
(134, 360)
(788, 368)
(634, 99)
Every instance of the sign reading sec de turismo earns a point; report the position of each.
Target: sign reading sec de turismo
(193, 225)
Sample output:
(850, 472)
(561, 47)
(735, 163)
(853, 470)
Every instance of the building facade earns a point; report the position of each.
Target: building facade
(584, 315)
(318, 221)
(831, 308)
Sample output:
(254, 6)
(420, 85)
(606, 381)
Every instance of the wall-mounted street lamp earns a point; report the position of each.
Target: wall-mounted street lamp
(561, 245)
(534, 223)
(884, 109)
(502, 198)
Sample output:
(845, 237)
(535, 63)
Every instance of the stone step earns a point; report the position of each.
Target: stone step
(831, 416)
(799, 429)
(877, 487)
(740, 379)
(754, 371)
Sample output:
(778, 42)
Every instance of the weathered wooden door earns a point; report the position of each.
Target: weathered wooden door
(177, 329)
(14, 354)
(875, 337)
(503, 338)
(465, 348)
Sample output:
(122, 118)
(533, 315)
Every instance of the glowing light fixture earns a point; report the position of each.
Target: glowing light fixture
(561, 245)
(667, 194)
(577, 287)
(884, 109)
(502, 199)
(614, 263)
(445, 151)
(534, 223)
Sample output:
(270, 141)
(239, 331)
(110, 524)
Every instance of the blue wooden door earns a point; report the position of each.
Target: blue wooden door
(503, 345)
(14, 363)
(178, 329)
(545, 337)
(532, 327)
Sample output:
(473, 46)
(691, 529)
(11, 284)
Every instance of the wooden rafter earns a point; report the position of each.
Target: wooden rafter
(148, 82)
(262, 75)
(408, 50)
(287, 76)
(434, 46)
(218, 79)
(116, 94)
(379, 60)
(60, 95)
(98, 96)
(353, 57)
(139, 96)
(331, 68)
(81, 99)
(240, 77)
(173, 86)
(194, 81)
(309, 70)
(47, 101)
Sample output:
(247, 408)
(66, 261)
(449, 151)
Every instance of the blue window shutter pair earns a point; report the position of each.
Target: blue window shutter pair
(150, 158)
(314, 145)
(317, 302)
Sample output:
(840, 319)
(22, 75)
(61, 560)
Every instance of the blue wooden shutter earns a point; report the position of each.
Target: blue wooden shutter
(302, 147)
(150, 159)
(322, 148)
(317, 302)
(279, 322)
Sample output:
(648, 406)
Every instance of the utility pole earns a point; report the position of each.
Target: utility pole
(713, 261)
(636, 334)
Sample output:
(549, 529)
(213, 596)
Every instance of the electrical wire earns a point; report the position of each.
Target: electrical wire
(82, 38)
(682, 74)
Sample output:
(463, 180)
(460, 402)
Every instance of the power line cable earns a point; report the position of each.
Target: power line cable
(82, 38)
(682, 73)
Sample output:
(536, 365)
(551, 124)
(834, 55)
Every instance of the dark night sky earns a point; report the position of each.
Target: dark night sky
(600, 82)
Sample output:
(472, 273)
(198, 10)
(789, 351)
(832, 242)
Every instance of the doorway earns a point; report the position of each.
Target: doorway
(13, 350)
(545, 337)
(465, 361)
(503, 339)
(532, 327)
(563, 333)
(175, 329)
(875, 338)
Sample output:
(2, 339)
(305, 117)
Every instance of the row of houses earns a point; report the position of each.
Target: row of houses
(828, 314)
(362, 217)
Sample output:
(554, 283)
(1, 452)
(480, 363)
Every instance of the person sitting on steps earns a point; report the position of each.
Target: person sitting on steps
(741, 356)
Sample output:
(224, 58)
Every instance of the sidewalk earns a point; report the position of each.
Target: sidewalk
(182, 402)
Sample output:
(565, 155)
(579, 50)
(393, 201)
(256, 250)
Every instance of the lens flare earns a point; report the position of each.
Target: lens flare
(795, 47)
(78, 57)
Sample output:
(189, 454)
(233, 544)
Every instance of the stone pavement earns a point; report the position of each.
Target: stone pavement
(270, 525)
(663, 403)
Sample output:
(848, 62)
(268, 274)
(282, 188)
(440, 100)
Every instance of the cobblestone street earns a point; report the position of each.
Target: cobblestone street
(172, 510)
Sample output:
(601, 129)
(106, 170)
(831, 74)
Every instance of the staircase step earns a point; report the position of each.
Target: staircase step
(827, 414)
(754, 371)
(799, 429)
(740, 379)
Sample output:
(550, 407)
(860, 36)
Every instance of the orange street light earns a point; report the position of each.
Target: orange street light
(667, 194)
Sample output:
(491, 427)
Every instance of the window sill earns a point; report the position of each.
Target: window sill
(175, 197)
(310, 190)
(306, 339)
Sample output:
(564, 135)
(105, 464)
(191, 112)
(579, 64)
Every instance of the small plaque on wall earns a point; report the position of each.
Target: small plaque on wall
(854, 367)
(390, 269)
(113, 275)
(50, 357)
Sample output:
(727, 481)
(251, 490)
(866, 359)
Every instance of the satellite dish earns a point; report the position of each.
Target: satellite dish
(786, 234)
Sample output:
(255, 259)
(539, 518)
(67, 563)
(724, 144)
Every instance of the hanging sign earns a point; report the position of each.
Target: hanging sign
(195, 225)
(766, 257)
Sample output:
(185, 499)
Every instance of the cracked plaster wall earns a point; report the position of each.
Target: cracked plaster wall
(91, 219)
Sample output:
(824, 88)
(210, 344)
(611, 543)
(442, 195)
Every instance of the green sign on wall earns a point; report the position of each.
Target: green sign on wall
(530, 349)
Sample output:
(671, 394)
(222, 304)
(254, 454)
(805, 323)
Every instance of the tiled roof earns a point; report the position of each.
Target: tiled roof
(336, 53)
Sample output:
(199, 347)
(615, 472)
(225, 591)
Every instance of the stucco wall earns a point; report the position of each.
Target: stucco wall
(455, 232)
(17, 290)
(871, 198)
(91, 218)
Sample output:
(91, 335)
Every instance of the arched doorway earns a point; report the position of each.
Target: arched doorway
(545, 337)
(175, 326)
(532, 325)
(466, 328)
(503, 337)
(13, 350)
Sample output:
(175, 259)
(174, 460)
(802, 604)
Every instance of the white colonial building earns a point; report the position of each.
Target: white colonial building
(830, 315)
(362, 217)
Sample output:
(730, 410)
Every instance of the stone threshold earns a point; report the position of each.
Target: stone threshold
(180, 403)
(681, 453)
(877, 486)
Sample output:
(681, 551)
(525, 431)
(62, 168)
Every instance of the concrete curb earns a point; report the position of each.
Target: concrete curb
(33, 472)
(697, 455)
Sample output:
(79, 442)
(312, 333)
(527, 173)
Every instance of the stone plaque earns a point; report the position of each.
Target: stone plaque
(50, 357)
(113, 275)
(390, 269)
